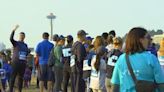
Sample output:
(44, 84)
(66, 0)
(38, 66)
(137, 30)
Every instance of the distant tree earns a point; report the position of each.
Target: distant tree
(159, 31)
(153, 32)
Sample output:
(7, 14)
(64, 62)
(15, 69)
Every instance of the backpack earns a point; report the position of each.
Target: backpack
(51, 59)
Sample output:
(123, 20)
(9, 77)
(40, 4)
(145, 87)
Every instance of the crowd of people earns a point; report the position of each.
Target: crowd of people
(106, 63)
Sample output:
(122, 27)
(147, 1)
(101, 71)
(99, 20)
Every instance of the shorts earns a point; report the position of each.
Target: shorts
(86, 74)
(51, 75)
(107, 82)
(43, 73)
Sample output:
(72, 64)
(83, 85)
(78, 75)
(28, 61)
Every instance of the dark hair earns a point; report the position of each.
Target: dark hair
(91, 46)
(55, 37)
(29, 51)
(22, 33)
(105, 35)
(2, 53)
(45, 35)
(110, 39)
(69, 39)
(112, 32)
(133, 43)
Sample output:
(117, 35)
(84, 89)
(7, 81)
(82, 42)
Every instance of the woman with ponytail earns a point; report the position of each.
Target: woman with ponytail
(98, 72)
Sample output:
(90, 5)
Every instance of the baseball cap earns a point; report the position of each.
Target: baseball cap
(69, 38)
(61, 37)
(82, 32)
(89, 38)
(55, 37)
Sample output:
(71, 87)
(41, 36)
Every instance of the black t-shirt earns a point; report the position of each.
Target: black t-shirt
(20, 49)
(67, 59)
(79, 51)
(113, 56)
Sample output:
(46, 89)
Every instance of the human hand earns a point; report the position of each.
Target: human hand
(16, 27)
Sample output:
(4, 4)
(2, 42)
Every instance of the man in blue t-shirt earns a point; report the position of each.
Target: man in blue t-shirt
(43, 50)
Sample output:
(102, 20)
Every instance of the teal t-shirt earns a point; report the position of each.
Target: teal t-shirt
(145, 66)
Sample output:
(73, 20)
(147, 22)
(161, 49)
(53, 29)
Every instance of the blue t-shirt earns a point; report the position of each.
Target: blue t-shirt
(43, 49)
(90, 56)
(8, 70)
(153, 50)
(145, 66)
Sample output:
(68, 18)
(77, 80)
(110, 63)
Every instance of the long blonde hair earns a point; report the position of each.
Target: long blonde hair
(117, 42)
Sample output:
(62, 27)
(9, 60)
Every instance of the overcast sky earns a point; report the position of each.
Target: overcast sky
(94, 16)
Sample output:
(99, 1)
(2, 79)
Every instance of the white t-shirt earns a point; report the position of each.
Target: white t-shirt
(109, 47)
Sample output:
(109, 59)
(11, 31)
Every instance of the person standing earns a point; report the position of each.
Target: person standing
(51, 74)
(98, 70)
(66, 59)
(58, 65)
(19, 59)
(145, 66)
(113, 56)
(161, 54)
(105, 38)
(78, 50)
(151, 47)
(43, 50)
(2, 71)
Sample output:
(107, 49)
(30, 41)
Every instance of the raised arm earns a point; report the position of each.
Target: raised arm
(12, 35)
